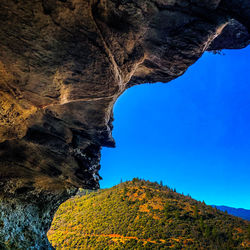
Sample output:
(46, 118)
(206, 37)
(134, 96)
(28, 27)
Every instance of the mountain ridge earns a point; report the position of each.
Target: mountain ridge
(239, 212)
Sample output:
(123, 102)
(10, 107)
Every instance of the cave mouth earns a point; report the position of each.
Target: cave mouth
(207, 90)
(63, 64)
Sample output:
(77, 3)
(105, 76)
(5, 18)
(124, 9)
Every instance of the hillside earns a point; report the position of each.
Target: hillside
(143, 215)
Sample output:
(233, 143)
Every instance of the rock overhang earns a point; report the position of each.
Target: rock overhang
(63, 64)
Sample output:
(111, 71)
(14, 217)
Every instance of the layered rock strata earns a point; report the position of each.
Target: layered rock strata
(63, 64)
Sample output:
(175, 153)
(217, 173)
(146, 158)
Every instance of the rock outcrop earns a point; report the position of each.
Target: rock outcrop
(63, 64)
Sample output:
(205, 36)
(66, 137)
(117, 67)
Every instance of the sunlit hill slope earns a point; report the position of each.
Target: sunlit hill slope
(140, 214)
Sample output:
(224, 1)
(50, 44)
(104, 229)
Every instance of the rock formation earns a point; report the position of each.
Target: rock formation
(63, 64)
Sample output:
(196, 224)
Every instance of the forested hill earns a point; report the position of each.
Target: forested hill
(140, 214)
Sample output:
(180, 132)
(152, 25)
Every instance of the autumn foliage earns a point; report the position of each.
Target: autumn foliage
(140, 214)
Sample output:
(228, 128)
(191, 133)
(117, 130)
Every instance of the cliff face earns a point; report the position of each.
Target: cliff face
(63, 64)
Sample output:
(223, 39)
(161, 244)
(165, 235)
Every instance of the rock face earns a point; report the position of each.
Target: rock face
(63, 64)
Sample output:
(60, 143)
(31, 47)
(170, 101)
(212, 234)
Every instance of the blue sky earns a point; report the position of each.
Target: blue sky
(192, 133)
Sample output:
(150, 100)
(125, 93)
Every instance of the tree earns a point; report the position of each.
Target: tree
(207, 231)
(201, 224)
(196, 214)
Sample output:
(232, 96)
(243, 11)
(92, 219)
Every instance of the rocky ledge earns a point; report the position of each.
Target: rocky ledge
(63, 64)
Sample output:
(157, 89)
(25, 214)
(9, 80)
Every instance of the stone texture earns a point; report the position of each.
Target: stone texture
(233, 36)
(24, 224)
(63, 64)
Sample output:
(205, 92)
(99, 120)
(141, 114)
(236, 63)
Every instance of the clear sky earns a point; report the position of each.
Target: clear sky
(192, 133)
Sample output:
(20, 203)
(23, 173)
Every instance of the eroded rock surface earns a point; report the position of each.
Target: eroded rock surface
(63, 64)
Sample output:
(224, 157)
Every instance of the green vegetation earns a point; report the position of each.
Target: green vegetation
(143, 215)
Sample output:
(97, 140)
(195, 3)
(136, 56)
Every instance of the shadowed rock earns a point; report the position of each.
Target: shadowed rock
(63, 64)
